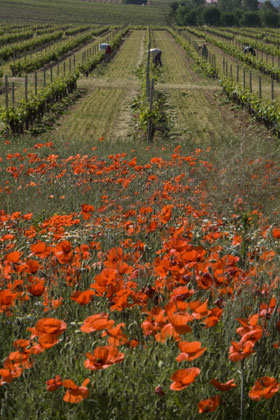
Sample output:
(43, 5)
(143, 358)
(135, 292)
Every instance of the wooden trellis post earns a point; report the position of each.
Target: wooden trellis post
(35, 82)
(250, 81)
(150, 120)
(26, 88)
(148, 67)
(6, 92)
(13, 94)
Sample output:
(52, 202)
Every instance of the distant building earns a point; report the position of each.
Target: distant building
(211, 1)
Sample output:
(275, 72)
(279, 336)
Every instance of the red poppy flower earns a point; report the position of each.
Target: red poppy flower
(265, 387)
(48, 331)
(223, 386)
(82, 298)
(179, 323)
(183, 378)
(209, 405)
(190, 350)
(240, 351)
(97, 322)
(103, 357)
(13, 257)
(53, 384)
(75, 393)
(64, 252)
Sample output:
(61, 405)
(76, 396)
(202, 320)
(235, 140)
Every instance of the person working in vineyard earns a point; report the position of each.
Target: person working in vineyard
(103, 46)
(108, 53)
(156, 55)
(204, 51)
(249, 49)
(106, 48)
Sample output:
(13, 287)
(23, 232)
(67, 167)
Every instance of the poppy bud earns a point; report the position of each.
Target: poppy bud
(159, 391)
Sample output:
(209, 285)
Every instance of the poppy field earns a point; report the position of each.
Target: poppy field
(141, 281)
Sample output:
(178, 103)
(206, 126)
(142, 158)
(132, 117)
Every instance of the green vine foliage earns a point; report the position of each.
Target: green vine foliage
(32, 64)
(268, 112)
(141, 107)
(20, 118)
(8, 39)
(8, 51)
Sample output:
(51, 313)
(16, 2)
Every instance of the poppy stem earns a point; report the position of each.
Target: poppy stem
(242, 391)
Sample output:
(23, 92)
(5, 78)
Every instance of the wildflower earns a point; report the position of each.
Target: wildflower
(190, 350)
(159, 391)
(53, 384)
(75, 393)
(97, 322)
(183, 378)
(209, 405)
(265, 387)
(103, 357)
(240, 351)
(223, 386)
(48, 331)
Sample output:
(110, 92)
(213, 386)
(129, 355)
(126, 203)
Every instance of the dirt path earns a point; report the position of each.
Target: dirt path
(122, 83)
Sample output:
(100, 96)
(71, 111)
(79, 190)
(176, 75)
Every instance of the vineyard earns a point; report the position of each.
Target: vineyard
(139, 223)
(80, 12)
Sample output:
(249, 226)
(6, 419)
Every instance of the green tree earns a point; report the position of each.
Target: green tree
(229, 5)
(212, 16)
(196, 3)
(238, 13)
(268, 5)
(250, 19)
(228, 19)
(250, 5)
(269, 18)
(173, 6)
(186, 16)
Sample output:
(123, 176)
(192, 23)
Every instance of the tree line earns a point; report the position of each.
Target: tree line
(225, 13)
